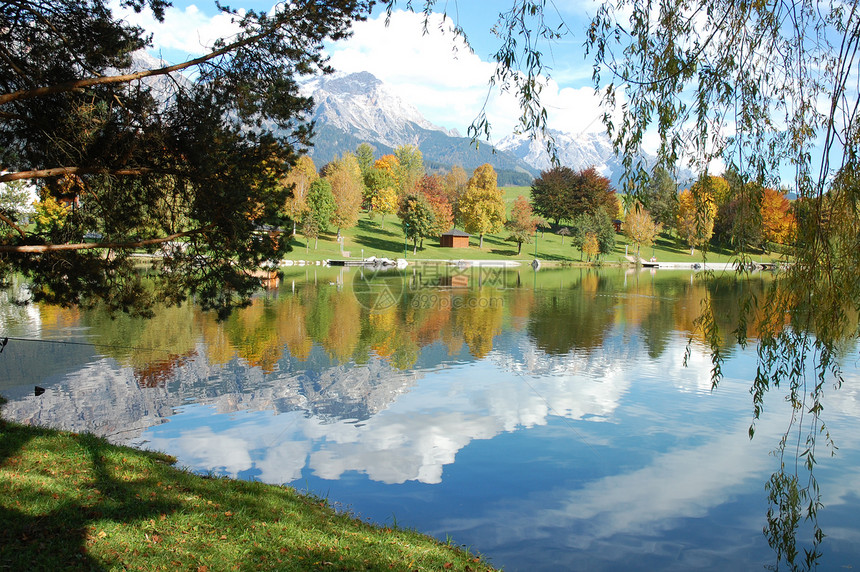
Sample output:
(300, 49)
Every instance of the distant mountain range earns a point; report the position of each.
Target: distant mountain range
(350, 109)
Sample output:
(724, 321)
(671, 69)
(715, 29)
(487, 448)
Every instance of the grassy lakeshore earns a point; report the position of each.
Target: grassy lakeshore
(76, 502)
(385, 238)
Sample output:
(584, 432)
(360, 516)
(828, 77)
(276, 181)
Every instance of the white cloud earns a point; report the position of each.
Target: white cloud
(436, 72)
(184, 32)
(448, 84)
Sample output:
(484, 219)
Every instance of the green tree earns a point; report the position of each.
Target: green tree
(660, 198)
(163, 158)
(598, 227)
(410, 167)
(364, 153)
(419, 221)
(15, 203)
(482, 206)
(321, 209)
(737, 225)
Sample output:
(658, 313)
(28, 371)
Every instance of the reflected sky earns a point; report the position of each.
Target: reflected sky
(547, 424)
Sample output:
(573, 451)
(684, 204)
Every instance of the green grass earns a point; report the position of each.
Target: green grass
(75, 502)
(373, 238)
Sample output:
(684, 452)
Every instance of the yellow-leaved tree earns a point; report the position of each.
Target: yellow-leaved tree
(777, 221)
(640, 227)
(482, 206)
(696, 212)
(347, 186)
(299, 179)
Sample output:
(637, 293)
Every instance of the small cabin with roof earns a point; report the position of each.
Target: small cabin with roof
(454, 239)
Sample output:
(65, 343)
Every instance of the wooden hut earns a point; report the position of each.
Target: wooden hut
(454, 239)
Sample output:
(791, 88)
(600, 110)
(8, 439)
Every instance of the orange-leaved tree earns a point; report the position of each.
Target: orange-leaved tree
(777, 221)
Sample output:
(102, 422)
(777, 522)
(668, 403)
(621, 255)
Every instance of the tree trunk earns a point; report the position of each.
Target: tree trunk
(481, 243)
(519, 248)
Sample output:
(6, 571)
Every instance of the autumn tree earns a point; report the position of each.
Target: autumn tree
(695, 220)
(382, 187)
(191, 152)
(432, 187)
(419, 221)
(522, 223)
(777, 220)
(590, 246)
(640, 227)
(482, 206)
(298, 181)
(347, 187)
(561, 193)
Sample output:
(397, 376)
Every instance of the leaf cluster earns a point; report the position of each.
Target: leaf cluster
(156, 157)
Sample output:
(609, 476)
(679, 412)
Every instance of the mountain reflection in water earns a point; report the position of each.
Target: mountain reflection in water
(545, 419)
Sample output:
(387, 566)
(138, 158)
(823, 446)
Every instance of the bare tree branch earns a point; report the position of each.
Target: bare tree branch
(125, 78)
(58, 171)
(11, 223)
(44, 248)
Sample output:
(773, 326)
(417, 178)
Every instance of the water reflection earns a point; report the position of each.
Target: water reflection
(525, 413)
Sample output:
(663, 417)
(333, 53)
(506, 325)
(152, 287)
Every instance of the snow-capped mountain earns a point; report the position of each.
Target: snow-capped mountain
(574, 151)
(363, 106)
(350, 109)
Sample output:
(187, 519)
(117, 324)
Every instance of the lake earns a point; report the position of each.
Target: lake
(544, 419)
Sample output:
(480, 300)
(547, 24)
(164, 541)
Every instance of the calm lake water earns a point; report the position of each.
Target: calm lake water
(543, 419)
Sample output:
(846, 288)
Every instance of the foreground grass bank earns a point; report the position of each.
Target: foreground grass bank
(76, 502)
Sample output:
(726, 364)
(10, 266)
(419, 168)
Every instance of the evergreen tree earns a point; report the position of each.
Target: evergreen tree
(162, 157)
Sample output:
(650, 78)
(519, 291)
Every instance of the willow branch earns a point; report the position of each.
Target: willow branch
(46, 248)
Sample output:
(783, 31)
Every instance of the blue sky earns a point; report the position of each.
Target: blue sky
(449, 87)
